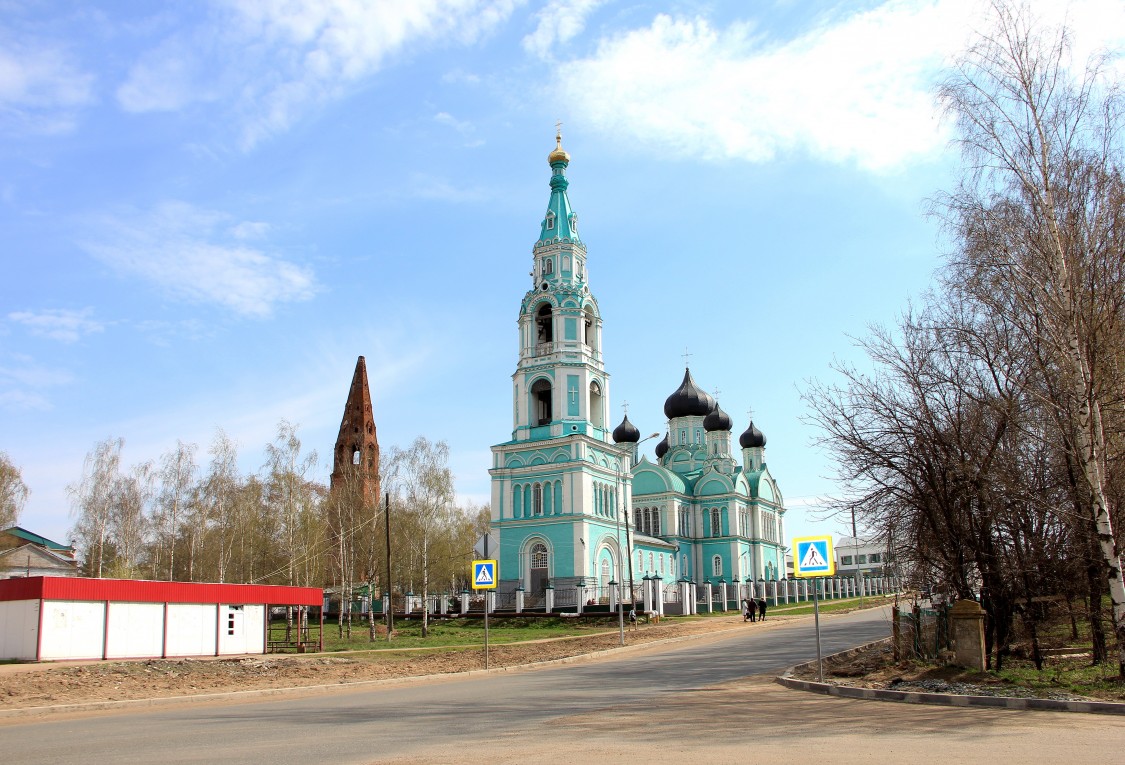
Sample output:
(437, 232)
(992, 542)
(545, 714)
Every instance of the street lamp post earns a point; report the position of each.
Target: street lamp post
(622, 508)
(855, 538)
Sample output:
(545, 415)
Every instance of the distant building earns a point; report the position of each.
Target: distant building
(23, 554)
(865, 557)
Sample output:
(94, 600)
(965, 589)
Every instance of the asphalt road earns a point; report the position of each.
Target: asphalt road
(689, 701)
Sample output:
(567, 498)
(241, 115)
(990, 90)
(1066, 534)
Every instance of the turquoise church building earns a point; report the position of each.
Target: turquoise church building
(573, 502)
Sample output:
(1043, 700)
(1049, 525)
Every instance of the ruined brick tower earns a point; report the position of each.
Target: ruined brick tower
(357, 448)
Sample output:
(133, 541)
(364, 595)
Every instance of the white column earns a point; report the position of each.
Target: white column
(464, 601)
(549, 599)
(519, 600)
(659, 584)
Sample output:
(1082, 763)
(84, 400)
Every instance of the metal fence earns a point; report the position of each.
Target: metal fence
(921, 633)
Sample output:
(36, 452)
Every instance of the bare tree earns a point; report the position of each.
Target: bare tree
(420, 477)
(13, 492)
(219, 495)
(129, 519)
(93, 500)
(174, 501)
(1041, 224)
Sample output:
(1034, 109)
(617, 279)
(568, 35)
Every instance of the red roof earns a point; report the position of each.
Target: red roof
(143, 591)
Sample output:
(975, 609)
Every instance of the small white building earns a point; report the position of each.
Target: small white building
(861, 557)
(44, 618)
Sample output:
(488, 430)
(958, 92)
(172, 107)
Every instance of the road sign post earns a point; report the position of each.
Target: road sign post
(485, 578)
(814, 559)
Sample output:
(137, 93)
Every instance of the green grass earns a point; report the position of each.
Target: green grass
(457, 633)
(1071, 674)
(827, 606)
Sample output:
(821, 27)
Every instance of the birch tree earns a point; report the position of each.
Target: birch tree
(1040, 221)
(177, 493)
(13, 492)
(92, 503)
(420, 478)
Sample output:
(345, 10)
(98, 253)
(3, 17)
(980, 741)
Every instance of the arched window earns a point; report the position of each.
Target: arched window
(541, 402)
(636, 519)
(651, 563)
(537, 499)
(597, 418)
(685, 523)
(545, 325)
(539, 555)
(716, 523)
(589, 328)
(548, 266)
(662, 564)
(550, 220)
(517, 501)
(605, 573)
(656, 521)
(647, 521)
(717, 565)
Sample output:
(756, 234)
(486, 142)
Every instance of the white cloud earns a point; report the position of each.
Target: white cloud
(854, 88)
(197, 255)
(559, 22)
(164, 79)
(59, 324)
(41, 89)
(316, 50)
(23, 383)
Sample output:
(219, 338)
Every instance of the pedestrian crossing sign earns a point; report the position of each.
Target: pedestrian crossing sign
(813, 556)
(484, 575)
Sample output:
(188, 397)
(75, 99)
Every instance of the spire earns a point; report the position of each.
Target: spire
(357, 448)
(560, 222)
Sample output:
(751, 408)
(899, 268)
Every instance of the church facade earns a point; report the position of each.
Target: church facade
(572, 504)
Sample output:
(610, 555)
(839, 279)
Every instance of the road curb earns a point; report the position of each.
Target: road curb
(938, 699)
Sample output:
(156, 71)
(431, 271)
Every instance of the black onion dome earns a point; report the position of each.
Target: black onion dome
(752, 438)
(626, 432)
(662, 447)
(717, 420)
(688, 400)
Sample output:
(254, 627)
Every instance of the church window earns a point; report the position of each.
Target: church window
(566, 263)
(698, 436)
(539, 555)
(716, 523)
(656, 521)
(717, 566)
(548, 266)
(637, 518)
(685, 523)
(651, 565)
(537, 499)
(517, 500)
(605, 573)
(550, 221)
(661, 563)
(355, 456)
(596, 416)
(541, 401)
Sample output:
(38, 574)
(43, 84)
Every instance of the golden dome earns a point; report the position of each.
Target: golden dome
(558, 155)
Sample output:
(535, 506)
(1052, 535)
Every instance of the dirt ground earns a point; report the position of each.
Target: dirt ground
(876, 668)
(37, 685)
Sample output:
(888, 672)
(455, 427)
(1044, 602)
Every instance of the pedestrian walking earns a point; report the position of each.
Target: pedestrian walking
(633, 618)
(762, 610)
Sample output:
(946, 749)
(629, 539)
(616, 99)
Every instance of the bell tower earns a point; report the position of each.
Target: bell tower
(560, 486)
(357, 447)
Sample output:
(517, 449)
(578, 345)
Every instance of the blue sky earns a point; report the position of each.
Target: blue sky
(210, 209)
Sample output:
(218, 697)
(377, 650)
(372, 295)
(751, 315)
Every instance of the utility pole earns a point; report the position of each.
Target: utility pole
(390, 590)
